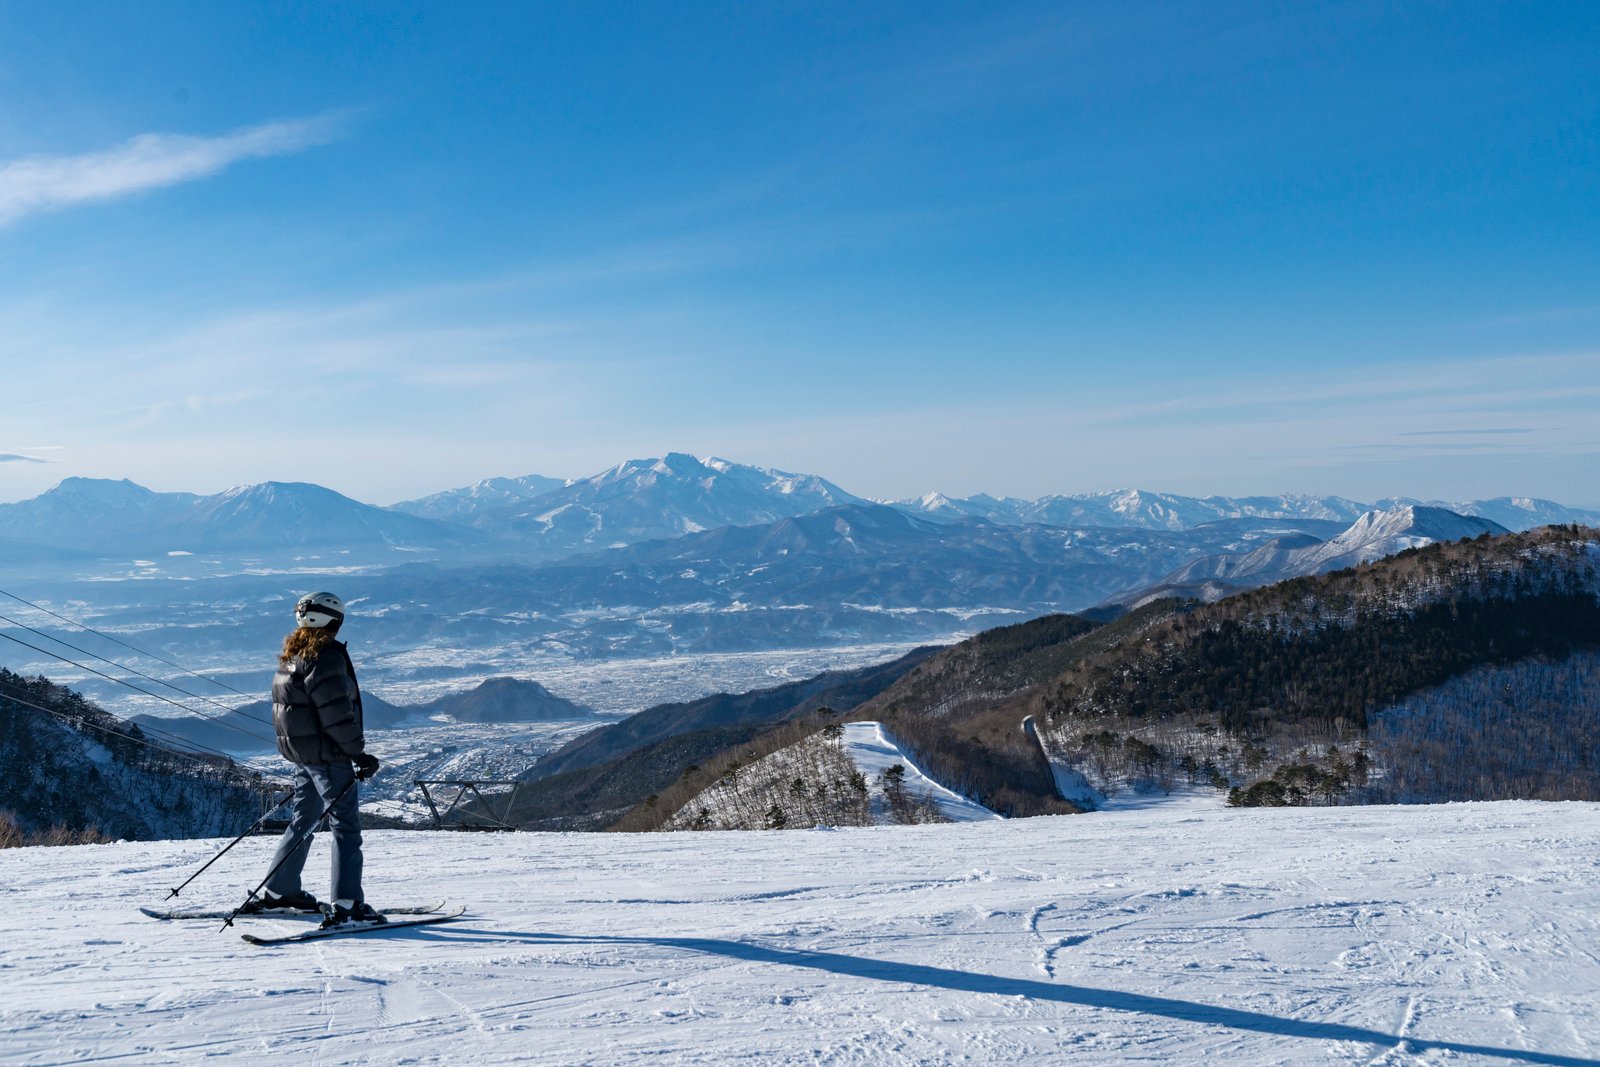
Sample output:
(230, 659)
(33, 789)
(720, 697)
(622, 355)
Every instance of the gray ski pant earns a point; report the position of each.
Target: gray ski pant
(315, 784)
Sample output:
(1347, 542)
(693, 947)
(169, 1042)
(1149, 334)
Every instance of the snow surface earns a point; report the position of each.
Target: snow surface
(1461, 934)
(874, 751)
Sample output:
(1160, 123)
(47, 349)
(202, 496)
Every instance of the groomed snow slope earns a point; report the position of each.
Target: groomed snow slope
(1461, 934)
(874, 751)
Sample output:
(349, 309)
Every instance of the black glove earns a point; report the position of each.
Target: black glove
(366, 765)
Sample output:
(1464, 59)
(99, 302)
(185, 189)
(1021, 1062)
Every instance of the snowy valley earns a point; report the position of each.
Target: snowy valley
(675, 566)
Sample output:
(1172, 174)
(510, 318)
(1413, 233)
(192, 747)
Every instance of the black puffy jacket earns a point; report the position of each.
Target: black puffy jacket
(316, 706)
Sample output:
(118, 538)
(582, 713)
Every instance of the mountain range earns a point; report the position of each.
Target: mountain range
(668, 556)
(1166, 511)
(119, 518)
(536, 518)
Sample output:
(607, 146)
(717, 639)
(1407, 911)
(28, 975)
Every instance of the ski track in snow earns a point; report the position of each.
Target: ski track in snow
(1460, 934)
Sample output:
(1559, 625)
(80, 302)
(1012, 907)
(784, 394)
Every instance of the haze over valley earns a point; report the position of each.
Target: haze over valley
(683, 576)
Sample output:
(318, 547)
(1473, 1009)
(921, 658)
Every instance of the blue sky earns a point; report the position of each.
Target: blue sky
(1014, 248)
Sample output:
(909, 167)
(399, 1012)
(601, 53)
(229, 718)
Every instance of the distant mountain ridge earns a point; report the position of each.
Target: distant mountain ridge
(641, 500)
(248, 728)
(675, 555)
(481, 502)
(849, 574)
(536, 518)
(1141, 509)
(99, 515)
(1373, 536)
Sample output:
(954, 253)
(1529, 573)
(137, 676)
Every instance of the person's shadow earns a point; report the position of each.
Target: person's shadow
(974, 982)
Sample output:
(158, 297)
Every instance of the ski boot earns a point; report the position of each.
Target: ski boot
(341, 912)
(270, 903)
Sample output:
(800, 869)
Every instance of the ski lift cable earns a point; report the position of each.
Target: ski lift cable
(137, 689)
(124, 644)
(177, 742)
(182, 746)
(195, 750)
(135, 671)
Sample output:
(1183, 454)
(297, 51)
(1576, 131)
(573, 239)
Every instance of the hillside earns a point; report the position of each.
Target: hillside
(1273, 692)
(504, 700)
(759, 707)
(593, 780)
(1344, 687)
(845, 774)
(930, 710)
(955, 715)
(65, 763)
(1457, 934)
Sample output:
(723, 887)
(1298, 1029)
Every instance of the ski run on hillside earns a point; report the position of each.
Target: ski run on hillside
(1461, 934)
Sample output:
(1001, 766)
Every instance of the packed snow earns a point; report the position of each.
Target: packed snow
(1462, 934)
(874, 751)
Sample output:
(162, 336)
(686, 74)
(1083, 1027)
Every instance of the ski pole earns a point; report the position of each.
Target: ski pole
(276, 804)
(290, 852)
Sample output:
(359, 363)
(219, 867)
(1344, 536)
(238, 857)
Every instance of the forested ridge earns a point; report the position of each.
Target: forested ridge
(1271, 693)
(1339, 688)
(1333, 646)
(72, 771)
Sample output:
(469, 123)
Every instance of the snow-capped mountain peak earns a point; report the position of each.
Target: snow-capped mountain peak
(647, 499)
(1373, 535)
(1382, 533)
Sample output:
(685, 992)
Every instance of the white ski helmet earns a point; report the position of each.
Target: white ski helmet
(316, 610)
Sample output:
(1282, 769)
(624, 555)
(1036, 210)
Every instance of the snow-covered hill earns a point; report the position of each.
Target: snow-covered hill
(874, 751)
(1460, 934)
(1373, 536)
(1377, 534)
(481, 501)
(851, 774)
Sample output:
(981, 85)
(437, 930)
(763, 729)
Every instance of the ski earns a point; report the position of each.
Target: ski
(275, 913)
(350, 929)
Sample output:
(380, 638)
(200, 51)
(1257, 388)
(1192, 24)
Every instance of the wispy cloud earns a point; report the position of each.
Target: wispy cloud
(12, 457)
(1497, 431)
(149, 161)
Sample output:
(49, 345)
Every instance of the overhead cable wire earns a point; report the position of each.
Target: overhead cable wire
(183, 746)
(137, 689)
(135, 671)
(77, 722)
(117, 640)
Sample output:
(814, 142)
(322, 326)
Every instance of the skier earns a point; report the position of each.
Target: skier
(316, 707)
